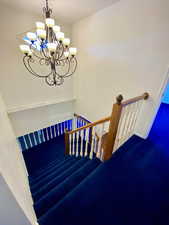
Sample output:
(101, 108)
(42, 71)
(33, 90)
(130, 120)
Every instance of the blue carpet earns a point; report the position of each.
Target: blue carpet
(132, 188)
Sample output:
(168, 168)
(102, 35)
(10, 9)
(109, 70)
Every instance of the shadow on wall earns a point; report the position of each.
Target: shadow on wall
(10, 207)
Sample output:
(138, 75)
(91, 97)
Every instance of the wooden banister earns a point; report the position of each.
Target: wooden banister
(90, 125)
(132, 100)
(81, 117)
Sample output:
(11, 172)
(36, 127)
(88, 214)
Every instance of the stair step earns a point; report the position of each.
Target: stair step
(55, 195)
(41, 170)
(52, 175)
(50, 185)
(49, 170)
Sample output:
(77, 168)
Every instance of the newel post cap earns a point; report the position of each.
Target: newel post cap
(119, 99)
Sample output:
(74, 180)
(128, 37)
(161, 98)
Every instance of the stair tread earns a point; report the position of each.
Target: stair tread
(56, 194)
(52, 175)
(49, 170)
(41, 170)
(50, 185)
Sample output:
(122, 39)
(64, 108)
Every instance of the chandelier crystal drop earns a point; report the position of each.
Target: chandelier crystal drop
(49, 47)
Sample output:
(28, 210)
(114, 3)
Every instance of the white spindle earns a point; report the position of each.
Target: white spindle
(54, 130)
(39, 137)
(70, 144)
(123, 135)
(30, 140)
(34, 137)
(121, 129)
(87, 141)
(26, 146)
(58, 129)
(73, 146)
(99, 132)
(47, 134)
(92, 144)
(43, 135)
(51, 135)
(81, 147)
(77, 144)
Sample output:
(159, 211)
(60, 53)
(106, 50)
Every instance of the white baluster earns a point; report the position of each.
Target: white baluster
(77, 144)
(139, 106)
(123, 136)
(34, 137)
(30, 141)
(81, 147)
(39, 137)
(70, 144)
(87, 141)
(99, 143)
(92, 144)
(43, 136)
(26, 146)
(58, 129)
(120, 130)
(73, 146)
(47, 134)
(54, 130)
(51, 135)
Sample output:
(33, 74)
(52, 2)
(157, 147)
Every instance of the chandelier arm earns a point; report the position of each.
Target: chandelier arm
(29, 68)
(61, 51)
(40, 76)
(68, 75)
(65, 73)
(34, 52)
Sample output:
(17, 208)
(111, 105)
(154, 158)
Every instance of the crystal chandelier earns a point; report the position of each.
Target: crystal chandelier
(48, 47)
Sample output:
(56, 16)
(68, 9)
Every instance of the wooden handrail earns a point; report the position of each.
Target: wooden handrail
(81, 117)
(136, 99)
(90, 125)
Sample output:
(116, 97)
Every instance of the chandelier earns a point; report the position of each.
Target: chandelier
(49, 48)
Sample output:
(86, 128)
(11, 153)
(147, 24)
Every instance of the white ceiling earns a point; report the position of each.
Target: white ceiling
(67, 11)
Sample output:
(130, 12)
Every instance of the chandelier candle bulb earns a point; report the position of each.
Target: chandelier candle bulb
(60, 36)
(66, 54)
(50, 22)
(25, 49)
(56, 29)
(41, 33)
(73, 51)
(31, 36)
(52, 47)
(40, 25)
(66, 42)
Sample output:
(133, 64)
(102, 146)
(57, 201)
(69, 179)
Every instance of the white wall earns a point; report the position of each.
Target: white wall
(10, 207)
(122, 49)
(18, 87)
(12, 165)
(27, 121)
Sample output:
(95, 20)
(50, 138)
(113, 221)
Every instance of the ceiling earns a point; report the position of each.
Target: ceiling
(67, 11)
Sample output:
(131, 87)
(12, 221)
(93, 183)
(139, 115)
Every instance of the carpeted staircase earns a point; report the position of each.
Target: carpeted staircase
(131, 188)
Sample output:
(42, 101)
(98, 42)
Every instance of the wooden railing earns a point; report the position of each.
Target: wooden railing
(104, 136)
(123, 121)
(87, 140)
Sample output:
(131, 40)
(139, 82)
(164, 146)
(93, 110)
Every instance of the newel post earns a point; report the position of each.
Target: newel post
(66, 142)
(113, 127)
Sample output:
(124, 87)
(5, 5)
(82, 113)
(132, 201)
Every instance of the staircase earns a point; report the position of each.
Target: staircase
(80, 187)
